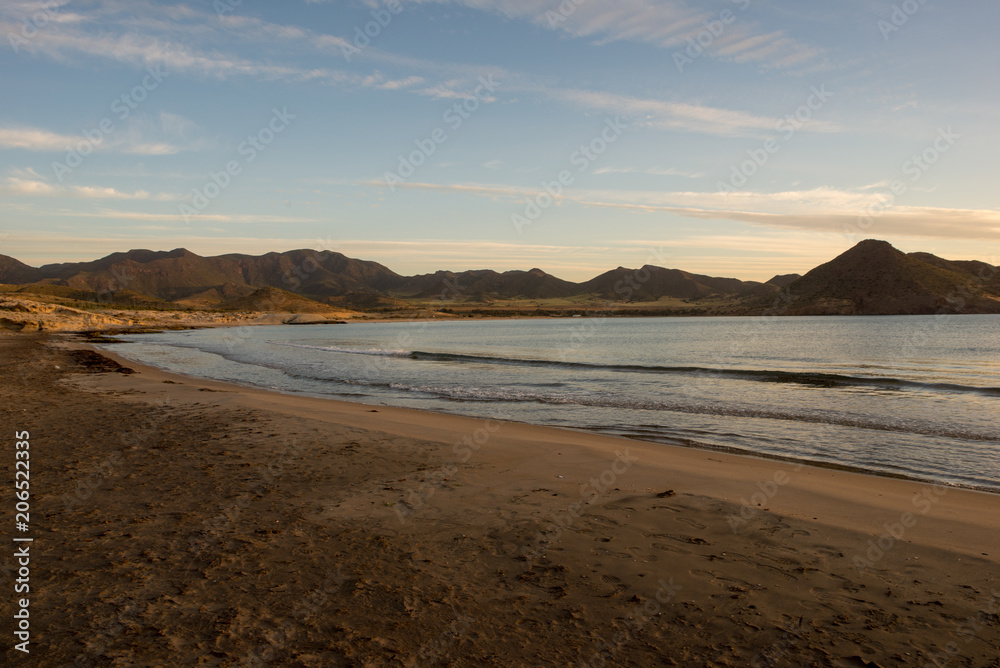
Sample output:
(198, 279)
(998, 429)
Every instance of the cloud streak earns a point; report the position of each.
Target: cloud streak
(145, 34)
(37, 188)
(668, 115)
(34, 139)
(827, 210)
(668, 24)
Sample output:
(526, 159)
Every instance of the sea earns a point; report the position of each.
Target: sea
(906, 396)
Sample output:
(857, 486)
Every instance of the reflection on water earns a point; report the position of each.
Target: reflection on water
(905, 395)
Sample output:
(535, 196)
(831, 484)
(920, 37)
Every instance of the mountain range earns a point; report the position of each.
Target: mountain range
(872, 278)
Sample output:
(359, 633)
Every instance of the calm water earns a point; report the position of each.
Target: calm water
(905, 395)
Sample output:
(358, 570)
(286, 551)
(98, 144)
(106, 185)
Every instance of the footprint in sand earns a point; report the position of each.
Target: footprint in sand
(605, 521)
(636, 553)
(731, 584)
(736, 556)
(670, 508)
(776, 571)
(827, 551)
(684, 538)
(784, 561)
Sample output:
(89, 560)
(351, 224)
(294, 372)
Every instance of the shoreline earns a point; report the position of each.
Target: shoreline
(229, 319)
(733, 451)
(405, 420)
(188, 522)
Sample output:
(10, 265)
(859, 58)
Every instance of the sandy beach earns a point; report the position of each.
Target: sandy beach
(187, 522)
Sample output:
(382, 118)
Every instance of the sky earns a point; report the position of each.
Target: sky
(741, 138)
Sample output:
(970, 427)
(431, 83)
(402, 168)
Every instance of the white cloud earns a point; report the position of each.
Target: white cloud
(183, 39)
(141, 134)
(39, 188)
(199, 218)
(34, 139)
(818, 210)
(654, 171)
(668, 115)
(668, 24)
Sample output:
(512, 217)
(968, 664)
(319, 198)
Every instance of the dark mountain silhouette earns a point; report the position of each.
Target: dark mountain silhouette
(650, 283)
(979, 272)
(16, 272)
(784, 280)
(313, 273)
(870, 278)
(485, 283)
(873, 278)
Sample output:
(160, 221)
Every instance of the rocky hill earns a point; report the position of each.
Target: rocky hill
(871, 278)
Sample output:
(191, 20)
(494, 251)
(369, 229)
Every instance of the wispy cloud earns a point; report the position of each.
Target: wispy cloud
(159, 134)
(200, 218)
(34, 139)
(670, 115)
(184, 39)
(654, 171)
(404, 255)
(669, 24)
(39, 188)
(828, 210)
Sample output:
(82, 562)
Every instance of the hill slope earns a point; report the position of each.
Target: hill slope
(873, 278)
(16, 272)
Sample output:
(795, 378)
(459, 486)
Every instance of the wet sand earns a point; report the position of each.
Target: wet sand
(187, 522)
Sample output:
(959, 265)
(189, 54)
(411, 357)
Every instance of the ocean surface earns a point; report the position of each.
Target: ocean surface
(914, 396)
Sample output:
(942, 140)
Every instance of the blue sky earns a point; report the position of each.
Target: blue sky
(731, 137)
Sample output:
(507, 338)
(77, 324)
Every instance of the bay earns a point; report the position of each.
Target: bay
(912, 396)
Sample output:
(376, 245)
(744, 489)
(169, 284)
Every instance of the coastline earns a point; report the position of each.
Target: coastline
(240, 524)
(742, 468)
(724, 449)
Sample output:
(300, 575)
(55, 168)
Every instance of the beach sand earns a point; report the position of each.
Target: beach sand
(181, 522)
